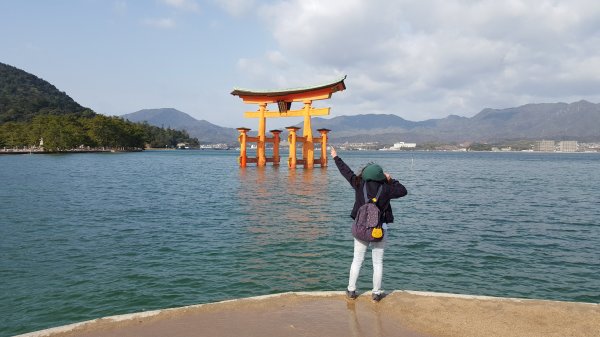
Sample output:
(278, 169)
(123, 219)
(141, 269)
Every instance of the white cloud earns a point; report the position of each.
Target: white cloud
(236, 7)
(277, 59)
(432, 58)
(163, 23)
(188, 5)
(250, 67)
(275, 70)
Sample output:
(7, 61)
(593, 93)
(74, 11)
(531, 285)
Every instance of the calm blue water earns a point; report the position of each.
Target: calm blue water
(90, 235)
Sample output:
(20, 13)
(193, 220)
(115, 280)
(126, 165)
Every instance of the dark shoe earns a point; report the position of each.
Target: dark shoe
(351, 294)
(377, 297)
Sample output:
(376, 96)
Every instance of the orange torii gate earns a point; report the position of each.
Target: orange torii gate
(284, 99)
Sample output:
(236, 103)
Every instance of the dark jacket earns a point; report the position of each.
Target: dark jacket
(392, 189)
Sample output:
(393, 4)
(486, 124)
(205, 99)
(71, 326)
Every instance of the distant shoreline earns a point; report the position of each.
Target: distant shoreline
(38, 151)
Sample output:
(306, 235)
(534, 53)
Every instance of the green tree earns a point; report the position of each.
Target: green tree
(101, 131)
(480, 147)
(13, 135)
(66, 132)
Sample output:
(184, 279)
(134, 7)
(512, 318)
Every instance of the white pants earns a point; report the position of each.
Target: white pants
(360, 249)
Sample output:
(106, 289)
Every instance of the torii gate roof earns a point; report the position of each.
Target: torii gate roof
(321, 91)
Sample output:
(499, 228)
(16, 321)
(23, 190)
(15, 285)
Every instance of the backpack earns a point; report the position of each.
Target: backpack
(367, 224)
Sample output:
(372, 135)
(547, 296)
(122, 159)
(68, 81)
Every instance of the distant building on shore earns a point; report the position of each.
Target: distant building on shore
(404, 145)
(544, 146)
(400, 146)
(552, 146)
(568, 146)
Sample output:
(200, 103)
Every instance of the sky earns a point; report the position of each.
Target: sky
(415, 59)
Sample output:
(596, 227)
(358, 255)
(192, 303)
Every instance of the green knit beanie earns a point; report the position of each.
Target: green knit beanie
(373, 172)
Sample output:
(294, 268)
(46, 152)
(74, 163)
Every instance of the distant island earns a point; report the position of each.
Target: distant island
(36, 117)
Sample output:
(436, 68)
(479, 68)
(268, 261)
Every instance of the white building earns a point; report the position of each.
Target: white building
(567, 146)
(401, 145)
(544, 146)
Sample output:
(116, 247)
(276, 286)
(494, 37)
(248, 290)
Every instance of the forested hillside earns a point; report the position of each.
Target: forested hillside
(60, 133)
(32, 110)
(23, 96)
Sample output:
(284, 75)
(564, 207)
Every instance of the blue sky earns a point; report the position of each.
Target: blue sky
(416, 59)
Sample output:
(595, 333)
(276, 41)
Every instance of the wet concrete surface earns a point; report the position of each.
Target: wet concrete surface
(401, 313)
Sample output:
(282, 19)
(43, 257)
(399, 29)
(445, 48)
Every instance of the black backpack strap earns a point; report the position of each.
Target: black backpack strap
(379, 191)
(365, 192)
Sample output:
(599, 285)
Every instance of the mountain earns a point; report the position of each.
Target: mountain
(23, 96)
(578, 120)
(172, 118)
(558, 121)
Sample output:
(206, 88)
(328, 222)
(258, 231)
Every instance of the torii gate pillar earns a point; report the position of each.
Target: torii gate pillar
(262, 126)
(308, 148)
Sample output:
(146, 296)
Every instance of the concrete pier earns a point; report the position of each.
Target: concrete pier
(401, 313)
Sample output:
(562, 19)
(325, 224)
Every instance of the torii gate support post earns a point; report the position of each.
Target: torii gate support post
(324, 138)
(292, 140)
(275, 140)
(260, 146)
(243, 159)
(308, 148)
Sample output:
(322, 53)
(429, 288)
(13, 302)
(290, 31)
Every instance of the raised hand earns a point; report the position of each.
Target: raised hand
(333, 152)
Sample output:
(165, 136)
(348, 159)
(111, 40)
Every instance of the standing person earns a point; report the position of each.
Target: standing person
(373, 176)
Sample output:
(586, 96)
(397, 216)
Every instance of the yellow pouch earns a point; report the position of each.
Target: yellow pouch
(377, 232)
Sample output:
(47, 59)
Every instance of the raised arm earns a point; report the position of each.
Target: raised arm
(344, 169)
(398, 190)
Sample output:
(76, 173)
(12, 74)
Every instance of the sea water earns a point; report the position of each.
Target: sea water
(90, 235)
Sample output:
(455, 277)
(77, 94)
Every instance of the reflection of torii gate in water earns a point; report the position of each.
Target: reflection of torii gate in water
(284, 99)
